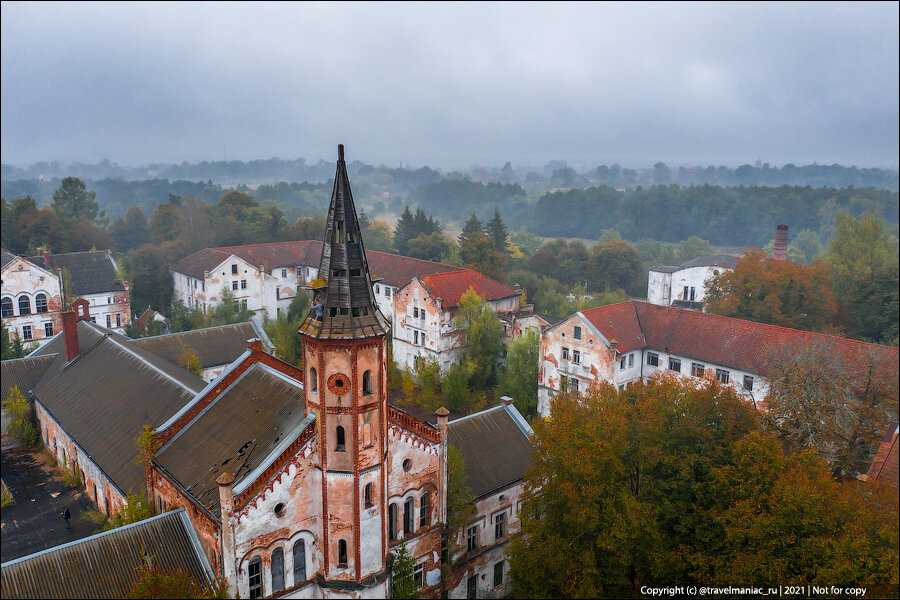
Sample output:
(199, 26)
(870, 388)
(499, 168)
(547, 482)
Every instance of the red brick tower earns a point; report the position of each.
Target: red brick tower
(344, 352)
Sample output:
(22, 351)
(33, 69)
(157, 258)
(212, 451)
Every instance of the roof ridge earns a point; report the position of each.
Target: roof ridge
(476, 414)
(142, 359)
(424, 260)
(773, 326)
(24, 358)
(153, 337)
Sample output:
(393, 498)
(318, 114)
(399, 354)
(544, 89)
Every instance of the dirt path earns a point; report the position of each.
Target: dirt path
(33, 522)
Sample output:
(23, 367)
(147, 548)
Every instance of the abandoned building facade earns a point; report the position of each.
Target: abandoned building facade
(31, 300)
(635, 341)
(296, 482)
(685, 285)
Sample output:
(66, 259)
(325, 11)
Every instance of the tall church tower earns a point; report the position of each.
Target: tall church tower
(345, 353)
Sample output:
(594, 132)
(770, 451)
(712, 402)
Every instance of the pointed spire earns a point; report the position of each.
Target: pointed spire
(344, 305)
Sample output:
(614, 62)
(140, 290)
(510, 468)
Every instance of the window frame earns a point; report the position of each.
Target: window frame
(255, 591)
(673, 360)
(41, 306)
(698, 370)
(723, 376)
(277, 560)
(301, 543)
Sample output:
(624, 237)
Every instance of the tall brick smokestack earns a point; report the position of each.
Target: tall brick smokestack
(779, 250)
(70, 333)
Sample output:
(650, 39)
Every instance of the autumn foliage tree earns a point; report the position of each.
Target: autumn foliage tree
(780, 292)
(672, 482)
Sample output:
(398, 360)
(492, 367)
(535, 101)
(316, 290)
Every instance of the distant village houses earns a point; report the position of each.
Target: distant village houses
(32, 295)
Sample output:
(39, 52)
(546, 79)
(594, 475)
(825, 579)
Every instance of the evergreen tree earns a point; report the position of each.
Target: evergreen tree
(483, 339)
(404, 231)
(73, 201)
(520, 376)
(499, 234)
(403, 566)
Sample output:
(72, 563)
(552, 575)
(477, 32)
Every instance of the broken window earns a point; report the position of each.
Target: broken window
(24, 305)
(723, 376)
(576, 357)
(425, 510)
(472, 538)
(367, 383)
(576, 333)
(631, 360)
(693, 293)
(565, 353)
(573, 385)
(419, 575)
(234, 285)
(40, 303)
(299, 561)
(109, 321)
(367, 496)
(26, 332)
(748, 383)
(313, 380)
(392, 521)
(6, 308)
(498, 574)
(697, 370)
(277, 570)
(622, 364)
(653, 359)
(340, 442)
(118, 320)
(254, 575)
(499, 526)
(675, 364)
(48, 329)
(342, 554)
(234, 269)
(408, 511)
(472, 587)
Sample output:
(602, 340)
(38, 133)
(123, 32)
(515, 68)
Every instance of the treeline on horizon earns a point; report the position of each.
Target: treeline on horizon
(554, 173)
(725, 216)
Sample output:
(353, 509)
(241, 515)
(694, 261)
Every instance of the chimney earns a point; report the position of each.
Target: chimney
(70, 333)
(779, 250)
(226, 505)
(506, 400)
(45, 254)
(442, 415)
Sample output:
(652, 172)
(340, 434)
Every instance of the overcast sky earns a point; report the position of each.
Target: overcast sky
(451, 85)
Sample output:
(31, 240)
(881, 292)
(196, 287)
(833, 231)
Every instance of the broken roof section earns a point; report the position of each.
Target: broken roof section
(234, 432)
(495, 447)
(107, 565)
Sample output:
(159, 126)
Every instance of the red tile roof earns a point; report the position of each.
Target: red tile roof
(450, 286)
(726, 341)
(394, 270)
(885, 466)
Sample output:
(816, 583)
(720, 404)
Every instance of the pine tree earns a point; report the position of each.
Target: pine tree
(499, 234)
(403, 584)
(404, 231)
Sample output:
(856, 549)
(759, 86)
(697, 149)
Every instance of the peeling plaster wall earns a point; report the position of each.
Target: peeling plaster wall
(384, 298)
(597, 359)
(100, 489)
(492, 550)
(659, 287)
(22, 277)
(110, 304)
(694, 277)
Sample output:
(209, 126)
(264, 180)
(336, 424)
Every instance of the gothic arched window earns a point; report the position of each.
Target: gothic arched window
(342, 554)
(313, 380)
(369, 503)
(277, 570)
(367, 383)
(340, 442)
(299, 562)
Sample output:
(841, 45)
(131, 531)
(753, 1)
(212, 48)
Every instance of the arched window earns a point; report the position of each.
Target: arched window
(409, 508)
(254, 578)
(313, 380)
(24, 305)
(299, 562)
(368, 496)
(6, 308)
(342, 554)
(340, 441)
(367, 383)
(277, 570)
(425, 510)
(392, 521)
(40, 302)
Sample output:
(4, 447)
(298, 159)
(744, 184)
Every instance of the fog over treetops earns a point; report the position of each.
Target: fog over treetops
(451, 86)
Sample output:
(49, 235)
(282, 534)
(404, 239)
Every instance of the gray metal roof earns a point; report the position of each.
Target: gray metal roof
(23, 372)
(107, 565)
(214, 346)
(234, 433)
(91, 272)
(6, 257)
(104, 397)
(726, 261)
(495, 447)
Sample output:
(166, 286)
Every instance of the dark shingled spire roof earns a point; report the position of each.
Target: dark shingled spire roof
(344, 287)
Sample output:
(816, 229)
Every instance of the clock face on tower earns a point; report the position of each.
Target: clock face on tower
(339, 384)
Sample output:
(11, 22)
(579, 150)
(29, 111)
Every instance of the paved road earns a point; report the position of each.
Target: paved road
(34, 523)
